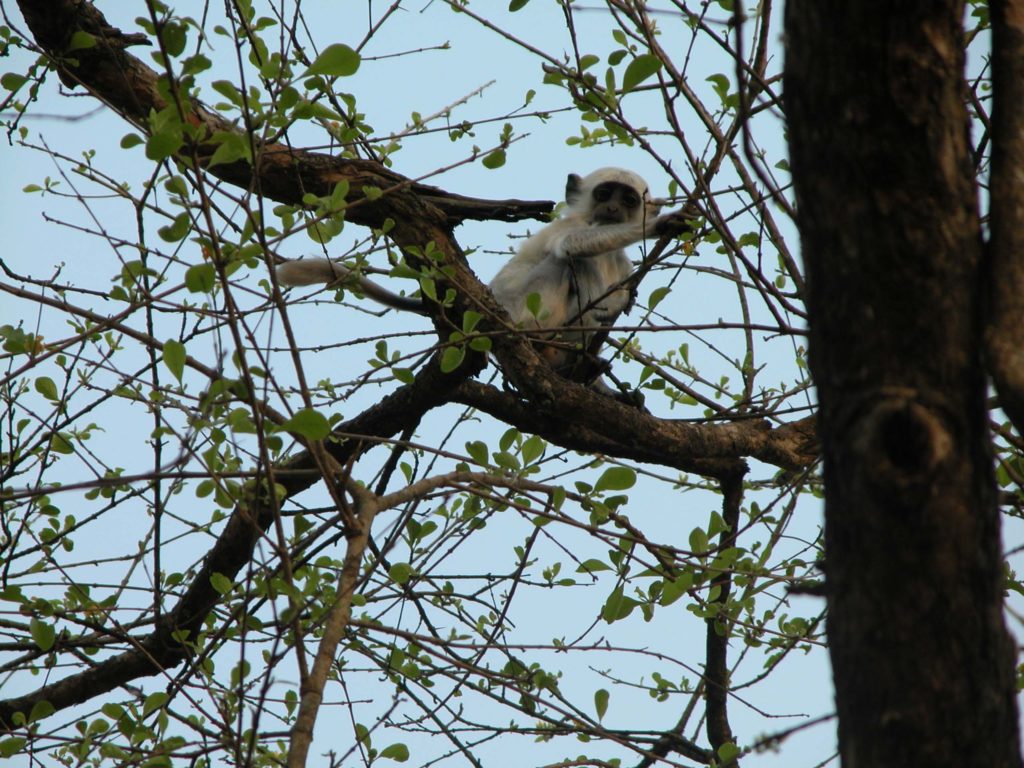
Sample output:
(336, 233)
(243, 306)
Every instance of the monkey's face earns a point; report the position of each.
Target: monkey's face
(614, 203)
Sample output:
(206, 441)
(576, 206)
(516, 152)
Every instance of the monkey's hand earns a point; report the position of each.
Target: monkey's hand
(678, 222)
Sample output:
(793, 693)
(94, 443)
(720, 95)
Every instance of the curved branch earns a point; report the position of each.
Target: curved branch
(281, 172)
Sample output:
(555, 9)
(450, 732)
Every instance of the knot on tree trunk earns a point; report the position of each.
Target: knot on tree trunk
(903, 443)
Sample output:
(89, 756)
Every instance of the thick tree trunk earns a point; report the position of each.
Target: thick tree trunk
(923, 664)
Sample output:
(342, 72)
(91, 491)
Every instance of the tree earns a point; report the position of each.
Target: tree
(343, 533)
(893, 246)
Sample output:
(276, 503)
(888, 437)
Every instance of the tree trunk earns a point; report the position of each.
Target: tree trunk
(879, 141)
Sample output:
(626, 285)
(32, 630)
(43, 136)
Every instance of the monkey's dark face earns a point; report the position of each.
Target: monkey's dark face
(614, 203)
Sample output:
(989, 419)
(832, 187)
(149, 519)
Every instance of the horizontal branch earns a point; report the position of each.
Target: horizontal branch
(615, 429)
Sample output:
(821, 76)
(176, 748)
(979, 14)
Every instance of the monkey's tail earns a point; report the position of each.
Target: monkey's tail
(310, 272)
(318, 271)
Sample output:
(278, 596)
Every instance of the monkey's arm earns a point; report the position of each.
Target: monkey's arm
(595, 240)
(317, 271)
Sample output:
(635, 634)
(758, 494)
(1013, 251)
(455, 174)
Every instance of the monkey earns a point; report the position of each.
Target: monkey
(317, 271)
(577, 265)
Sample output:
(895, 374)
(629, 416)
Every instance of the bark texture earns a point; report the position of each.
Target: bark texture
(923, 664)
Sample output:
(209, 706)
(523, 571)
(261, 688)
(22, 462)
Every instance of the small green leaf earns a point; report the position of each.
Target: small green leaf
(308, 423)
(163, 143)
(495, 159)
(452, 359)
(592, 566)
(532, 449)
(400, 572)
(200, 278)
(698, 541)
(80, 40)
(43, 634)
(46, 387)
(231, 146)
(174, 357)
(478, 452)
(515, 5)
(40, 710)
(12, 746)
(221, 583)
(601, 697)
(12, 81)
(728, 752)
(153, 702)
(640, 69)
(616, 479)
(176, 230)
(337, 60)
(657, 295)
(720, 83)
(617, 606)
(397, 752)
(130, 140)
(533, 304)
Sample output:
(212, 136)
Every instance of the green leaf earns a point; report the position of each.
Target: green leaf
(46, 387)
(617, 606)
(308, 423)
(478, 452)
(657, 295)
(495, 159)
(337, 60)
(720, 83)
(616, 479)
(153, 702)
(174, 357)
(593, 566)
(452, 359)
(231, 146)
(601, 697)
(400, 572)
(43, 634)
(12, 81)
(12, 746)
(640, 69)
(40, 710)
(221, 583)
(532, 449)
(177, 230)
(515, 5)
(533, 304)
(728, 752)
(130, 140)
(80, 40)
(200, 278)
(673, 590)
(698, 541)
(163, 143)
(397, 752)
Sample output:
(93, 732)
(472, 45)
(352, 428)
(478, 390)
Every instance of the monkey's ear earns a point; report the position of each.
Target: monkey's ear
(653, 207)
(573, 188)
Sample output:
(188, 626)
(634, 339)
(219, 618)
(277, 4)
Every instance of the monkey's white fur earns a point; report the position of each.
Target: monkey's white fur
(575, 262)
(317, 271)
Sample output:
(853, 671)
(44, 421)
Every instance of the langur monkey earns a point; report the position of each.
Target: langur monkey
(575, 264)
